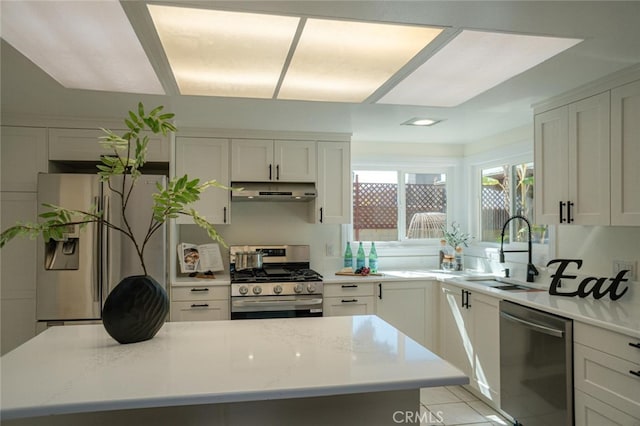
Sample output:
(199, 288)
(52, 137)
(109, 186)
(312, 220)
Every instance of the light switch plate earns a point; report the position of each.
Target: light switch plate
(629, 265)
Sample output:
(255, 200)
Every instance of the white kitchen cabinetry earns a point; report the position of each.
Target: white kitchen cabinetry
(625, 155)
(607, 374)
(260, 160)
(470, 337)
(342, 299)
(24, 155)
(206, 159)
(572, 169)
(200, 303)
(83, 145)
(333, 204)
(17, 276)
(410, 307)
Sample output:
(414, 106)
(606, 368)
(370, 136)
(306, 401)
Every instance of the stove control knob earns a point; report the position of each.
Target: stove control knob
(257, 290)
(243, 290)
(298, 288)
(311, 288)
(277, 289)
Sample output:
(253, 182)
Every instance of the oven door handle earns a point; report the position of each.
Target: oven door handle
(270, 303)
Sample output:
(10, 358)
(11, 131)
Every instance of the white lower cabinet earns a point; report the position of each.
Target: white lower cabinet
(607, 374)
(200, 303)
(341, 299)
(470, 337)
(410, 307)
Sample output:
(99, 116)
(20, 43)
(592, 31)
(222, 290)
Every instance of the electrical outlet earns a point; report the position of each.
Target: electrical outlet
(629, 265)
(329, 250)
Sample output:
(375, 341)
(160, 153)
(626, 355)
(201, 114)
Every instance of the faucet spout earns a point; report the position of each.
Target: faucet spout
(531, 269)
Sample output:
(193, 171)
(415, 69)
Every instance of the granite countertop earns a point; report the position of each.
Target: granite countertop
(81, 369)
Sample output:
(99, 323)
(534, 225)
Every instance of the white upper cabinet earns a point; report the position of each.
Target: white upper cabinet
(206, 159)
(83, 145)
(262, 160)
(333, 204)
(572, 163)
(625, 155)
(24, 155)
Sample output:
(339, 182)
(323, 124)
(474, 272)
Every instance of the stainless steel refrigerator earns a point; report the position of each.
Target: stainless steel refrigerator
(74, 276)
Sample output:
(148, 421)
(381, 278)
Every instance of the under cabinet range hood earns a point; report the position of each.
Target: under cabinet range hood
(273, 191)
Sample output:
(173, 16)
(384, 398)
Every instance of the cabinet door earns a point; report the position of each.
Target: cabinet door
(83, 145)
(24, 154)
(333, 204)
(408, 307)
(295, 161)
(486, 346)
(589, 161)
(625, 155)
(201, 310)
(345, 306)
(590, 411)
(551, 141)
(252, 160)
(455, 338)
(206, 159)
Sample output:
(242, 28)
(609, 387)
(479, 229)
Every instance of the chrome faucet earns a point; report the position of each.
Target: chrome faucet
(531, 270)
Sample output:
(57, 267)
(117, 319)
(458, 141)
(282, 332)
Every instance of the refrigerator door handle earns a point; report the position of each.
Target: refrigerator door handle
(106, 249)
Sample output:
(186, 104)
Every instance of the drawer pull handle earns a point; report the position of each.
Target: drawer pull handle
(199, 289)
(635, 373)
(635, 345)
(350, 286)
(349, 301)
(199, 305)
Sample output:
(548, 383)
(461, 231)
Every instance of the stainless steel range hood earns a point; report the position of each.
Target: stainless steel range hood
(273, 191)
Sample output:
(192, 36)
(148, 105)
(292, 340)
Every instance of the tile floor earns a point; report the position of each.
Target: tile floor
(454, 405)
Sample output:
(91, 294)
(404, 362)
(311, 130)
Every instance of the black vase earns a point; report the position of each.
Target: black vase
(135, 309)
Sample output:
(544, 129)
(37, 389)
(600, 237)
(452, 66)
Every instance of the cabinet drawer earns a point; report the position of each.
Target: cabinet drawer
(607, 378)
(199, 293)
(592, 412)
(349, 289)
(607, 341)
(205, 310)
(349, 305)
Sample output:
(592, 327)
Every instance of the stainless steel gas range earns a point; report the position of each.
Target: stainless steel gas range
(284, 287)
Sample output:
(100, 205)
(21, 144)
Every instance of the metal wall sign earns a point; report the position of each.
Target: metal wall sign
(590, 286)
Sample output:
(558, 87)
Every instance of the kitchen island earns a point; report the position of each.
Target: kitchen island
(331, 370)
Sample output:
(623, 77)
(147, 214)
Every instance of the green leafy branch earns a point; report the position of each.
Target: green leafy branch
(455, 237)
(129, 156)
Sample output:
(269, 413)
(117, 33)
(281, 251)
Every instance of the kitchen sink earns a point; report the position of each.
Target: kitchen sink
(500, 285)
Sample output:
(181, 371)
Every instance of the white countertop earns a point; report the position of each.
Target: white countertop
(80, 368)
(221, 279)
(620, 315)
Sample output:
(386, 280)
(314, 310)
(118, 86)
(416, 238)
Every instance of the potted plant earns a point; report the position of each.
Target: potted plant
(137, 307)
(456, 239)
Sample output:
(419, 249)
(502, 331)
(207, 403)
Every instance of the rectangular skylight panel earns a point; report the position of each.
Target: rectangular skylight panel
(81, 44)
(472, 63)
(220, 53)
(346, 61)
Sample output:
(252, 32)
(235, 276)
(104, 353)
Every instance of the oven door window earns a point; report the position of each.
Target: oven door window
(281, 307)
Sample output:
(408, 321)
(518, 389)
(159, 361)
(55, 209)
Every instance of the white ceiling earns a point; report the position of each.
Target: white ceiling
(610, 30)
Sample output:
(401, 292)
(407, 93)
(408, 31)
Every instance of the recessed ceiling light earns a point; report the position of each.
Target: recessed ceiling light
(82, 45)
(346, 61)
(421, 122)
(472, 63)
(219, 53)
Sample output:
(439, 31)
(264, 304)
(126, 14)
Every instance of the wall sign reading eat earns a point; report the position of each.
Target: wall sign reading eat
(598, 287)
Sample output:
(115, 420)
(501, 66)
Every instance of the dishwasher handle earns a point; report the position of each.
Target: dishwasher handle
(533, 326)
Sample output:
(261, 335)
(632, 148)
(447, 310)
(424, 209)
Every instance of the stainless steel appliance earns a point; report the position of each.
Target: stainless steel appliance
(75, 276)
(284, 287)
(536, 366)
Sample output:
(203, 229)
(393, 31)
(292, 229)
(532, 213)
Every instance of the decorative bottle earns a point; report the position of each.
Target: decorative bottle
(442, 252)
(360, 257)
(373, 259)
(458, 257)
(348, 257)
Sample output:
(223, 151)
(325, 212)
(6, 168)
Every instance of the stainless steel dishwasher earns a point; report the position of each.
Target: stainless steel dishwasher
(536, 366)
